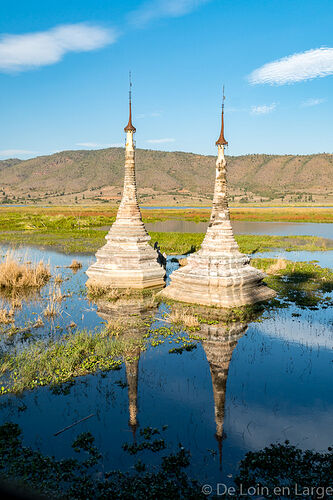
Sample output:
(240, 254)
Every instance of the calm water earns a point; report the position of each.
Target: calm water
(278, 384)
(324, 230)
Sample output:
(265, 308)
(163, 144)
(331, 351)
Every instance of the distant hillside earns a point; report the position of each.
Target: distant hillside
(9, 162)
(98, 175)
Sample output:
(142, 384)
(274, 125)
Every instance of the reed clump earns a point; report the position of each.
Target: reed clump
(75, 265)
(6, 315)
(277, 266)
(183, 317)
(53, 305)
(15, 276)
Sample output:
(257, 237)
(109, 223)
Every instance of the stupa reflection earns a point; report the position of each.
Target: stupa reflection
(220, 334)
(130, 316)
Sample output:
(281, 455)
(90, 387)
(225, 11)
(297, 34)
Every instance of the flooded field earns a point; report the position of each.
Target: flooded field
(324, 230)
(237, 387)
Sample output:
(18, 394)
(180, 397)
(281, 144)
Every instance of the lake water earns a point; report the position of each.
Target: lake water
(324, 230)
(278, 384)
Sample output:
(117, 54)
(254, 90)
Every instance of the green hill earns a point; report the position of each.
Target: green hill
(166, 177)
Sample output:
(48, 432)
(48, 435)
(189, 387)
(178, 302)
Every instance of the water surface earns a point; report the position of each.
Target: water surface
(278, 384)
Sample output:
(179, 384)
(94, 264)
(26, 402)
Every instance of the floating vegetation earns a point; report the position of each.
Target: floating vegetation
(16, 276)
(74, 478)
(304, 284)
(302, 473)
(57, 362)
(263, 473)
(6, 314)
(75, 265)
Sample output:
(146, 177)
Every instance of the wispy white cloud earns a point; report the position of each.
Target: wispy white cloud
(13, 153)
(160, 141)
(295, 68)
(312, 102)
(96, 145)
(156, 9)
(264, 109)
(31, 50)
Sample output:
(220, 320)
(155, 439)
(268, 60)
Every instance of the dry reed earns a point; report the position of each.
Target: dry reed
(19, 276)
(277, 266)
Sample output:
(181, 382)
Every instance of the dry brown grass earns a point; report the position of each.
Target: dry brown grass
(53, 305)
(58, 279)
(6, 315)
(75, 265)
(38, 323)
(279, 265)
(183, 318)
(19, 276)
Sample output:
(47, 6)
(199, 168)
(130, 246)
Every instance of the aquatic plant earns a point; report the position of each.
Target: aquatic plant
(284, 465)
(17, 276)
(73, 478)
(304, 284)
(49, 362)
(75, 265)
(277, 466)
(53, 302)
(6, 314)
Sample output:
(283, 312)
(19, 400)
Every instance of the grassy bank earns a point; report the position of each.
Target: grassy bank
(88, 241)
(34, 217)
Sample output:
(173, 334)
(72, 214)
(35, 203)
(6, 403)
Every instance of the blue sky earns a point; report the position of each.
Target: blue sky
(64, 74)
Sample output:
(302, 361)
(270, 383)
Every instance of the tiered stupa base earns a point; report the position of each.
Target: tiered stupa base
(222, 281)
(127, 260)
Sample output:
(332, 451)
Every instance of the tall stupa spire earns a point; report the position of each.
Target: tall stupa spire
(221, 140)
(219, 274)
(127, 260)
(129, 127)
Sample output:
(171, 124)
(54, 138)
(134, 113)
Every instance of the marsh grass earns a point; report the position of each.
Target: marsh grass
(16, 276)
(53, 302)
(183, 317)
(185, 243)
(277, 266)
(56, 362)
(304, 284)
(7, 315)
(75, 265)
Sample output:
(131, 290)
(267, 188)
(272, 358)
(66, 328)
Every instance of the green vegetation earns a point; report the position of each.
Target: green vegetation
(82, 231)
(285, 465)
(304, 284)
(183, 243)
(73, 478)
(57, 362)
(279, 465)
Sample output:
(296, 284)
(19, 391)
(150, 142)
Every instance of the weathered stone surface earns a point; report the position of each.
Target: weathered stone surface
(127, 260)
(218, 274)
